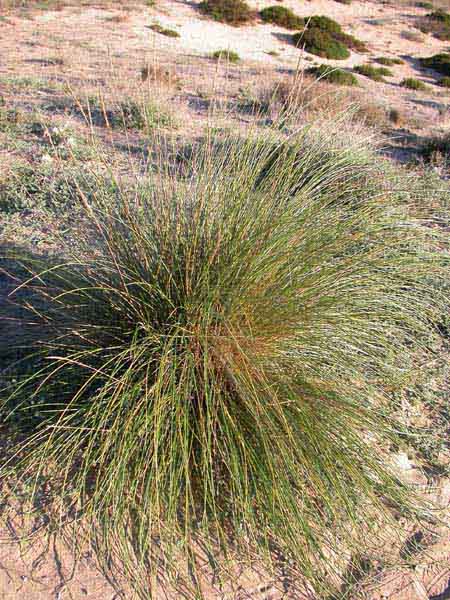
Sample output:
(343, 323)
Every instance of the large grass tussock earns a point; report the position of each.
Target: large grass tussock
(213, 364)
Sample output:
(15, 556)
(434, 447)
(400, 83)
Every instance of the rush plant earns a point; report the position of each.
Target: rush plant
(212, 365)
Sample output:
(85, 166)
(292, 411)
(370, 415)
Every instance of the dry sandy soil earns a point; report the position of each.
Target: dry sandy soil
(77, 51)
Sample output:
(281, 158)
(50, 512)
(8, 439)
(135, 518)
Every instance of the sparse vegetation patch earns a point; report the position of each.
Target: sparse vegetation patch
(437, 23)
(282, 16)
(388, 61)
(324, 37)
(375, 73)
(226, 56)
(413, 84)
(333, 75)
(233, 12)
(438, 62)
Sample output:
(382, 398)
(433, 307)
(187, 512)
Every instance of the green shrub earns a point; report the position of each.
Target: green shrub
(226, 55)
(320, 43)
(445, 82)
(427, 5)
(332, 75)
(164, 30)
(413, 84)
(437, 23)
(436, 149)
(323, 23)
(218, 362)
(324, 37)
(437, 62)
(387, 61)
(375, 73)
(233, 12)
(282, 16)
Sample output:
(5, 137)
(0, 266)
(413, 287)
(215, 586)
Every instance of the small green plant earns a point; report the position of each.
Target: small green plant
(226, 56)
(233, 12)
(282, 16)
(427, 5)
(413, 84)
(445, 82)
(375, 73)
(164, 30)
(437, 62)
(333, 75)
(388, 61)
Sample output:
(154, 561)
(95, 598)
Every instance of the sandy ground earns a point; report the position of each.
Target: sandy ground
(99, 47)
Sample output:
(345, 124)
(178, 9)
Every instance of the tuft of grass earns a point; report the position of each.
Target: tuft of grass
(375, 73)
(437, 62)
(144, 115)
(211, 367)
(413, 84)
(333, 75)
(164, 30)
(233, 12)
(282, 16)
(227, 56)
(388, 61)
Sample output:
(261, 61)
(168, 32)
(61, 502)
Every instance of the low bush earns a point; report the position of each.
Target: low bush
(388, 61)
(436, 149)
(226, 56)
(437, 62)
(282, 16)
(437, 23)
(164, 30)
(445, 82)
(233, 12)
(321, 44)
(375, 73)
(216, 365)
(413, 84)
(332, 75)
(324, 37)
